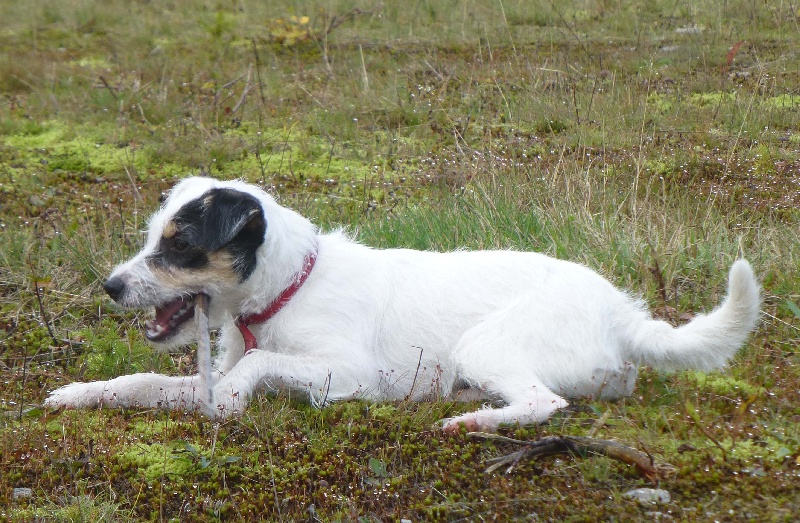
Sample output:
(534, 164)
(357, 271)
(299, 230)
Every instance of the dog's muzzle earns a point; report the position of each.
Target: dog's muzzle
(169, 317)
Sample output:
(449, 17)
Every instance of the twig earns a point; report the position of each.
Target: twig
(365, 78)
(261, 165)
(245, 91)
(272, 478)
(141, 113)
(416, 374)
(327, 387)
(591, 100)
(508, 28)
(46, 320)
(258, 76)
(569, 28)
(110, 89)
(204, 346)
(136, 195)
(662, 285)
(692, 411)
(576, 445)
(24, 379)
(599, 423)
(575, 104)
(219, 92)
(336, 21)
(433, 70)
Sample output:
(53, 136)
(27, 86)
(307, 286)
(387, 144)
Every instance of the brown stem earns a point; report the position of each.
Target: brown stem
(580, 446)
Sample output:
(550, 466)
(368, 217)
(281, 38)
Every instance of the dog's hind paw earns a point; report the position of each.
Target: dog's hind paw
(453, 425)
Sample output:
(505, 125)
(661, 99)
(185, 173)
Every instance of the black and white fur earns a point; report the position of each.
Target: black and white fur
(519, 327)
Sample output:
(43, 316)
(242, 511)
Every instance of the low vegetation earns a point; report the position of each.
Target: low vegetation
(654, 141)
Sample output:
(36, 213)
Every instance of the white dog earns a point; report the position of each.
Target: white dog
(319, 313)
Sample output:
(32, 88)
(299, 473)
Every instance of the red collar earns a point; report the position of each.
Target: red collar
(242, 322)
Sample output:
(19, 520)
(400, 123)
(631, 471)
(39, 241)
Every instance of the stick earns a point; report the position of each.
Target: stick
(580, 446)
(204, 346)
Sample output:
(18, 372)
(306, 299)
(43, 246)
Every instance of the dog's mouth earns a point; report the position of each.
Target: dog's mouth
(169, 318)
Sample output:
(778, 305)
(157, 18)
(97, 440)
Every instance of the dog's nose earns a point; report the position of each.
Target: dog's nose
(114, 287)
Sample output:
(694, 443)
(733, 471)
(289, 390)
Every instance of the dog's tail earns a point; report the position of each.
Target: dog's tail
(706, 342)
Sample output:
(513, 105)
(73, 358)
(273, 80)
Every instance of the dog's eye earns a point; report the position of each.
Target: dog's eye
(180, 245)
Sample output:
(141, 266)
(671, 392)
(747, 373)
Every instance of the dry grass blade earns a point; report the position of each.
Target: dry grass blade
(576, 445)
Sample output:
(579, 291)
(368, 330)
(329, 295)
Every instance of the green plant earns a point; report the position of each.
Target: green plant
(113, 350)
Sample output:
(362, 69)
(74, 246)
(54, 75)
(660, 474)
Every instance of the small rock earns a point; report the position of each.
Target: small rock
(648, 495)
(36, 201)
(690, 30)
(22, 493)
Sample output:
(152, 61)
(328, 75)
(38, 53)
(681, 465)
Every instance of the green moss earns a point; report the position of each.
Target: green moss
(712, 98)
(71, 509)
(33, 135)
(93, 62)
(152, 428)
(660, 103)
(784, 101)
(384, 412)
(154, 461)
(765, 450)
(724, 385)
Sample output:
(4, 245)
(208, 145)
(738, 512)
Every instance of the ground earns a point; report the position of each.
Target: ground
(654, 141)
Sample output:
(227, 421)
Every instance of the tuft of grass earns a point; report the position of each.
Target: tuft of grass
(110, 353)
(83, 508)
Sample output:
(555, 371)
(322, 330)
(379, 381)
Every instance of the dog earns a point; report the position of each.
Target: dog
(301, 310)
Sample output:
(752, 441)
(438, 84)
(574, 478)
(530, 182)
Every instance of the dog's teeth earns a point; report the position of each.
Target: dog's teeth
(154, 329)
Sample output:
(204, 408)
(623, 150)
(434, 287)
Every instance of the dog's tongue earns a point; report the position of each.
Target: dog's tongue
(169, 316)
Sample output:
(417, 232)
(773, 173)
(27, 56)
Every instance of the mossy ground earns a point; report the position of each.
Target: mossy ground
(651, 141)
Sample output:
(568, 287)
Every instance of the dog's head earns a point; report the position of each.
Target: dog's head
(204, 240)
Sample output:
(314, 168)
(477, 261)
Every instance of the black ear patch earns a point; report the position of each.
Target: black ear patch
(221, 219)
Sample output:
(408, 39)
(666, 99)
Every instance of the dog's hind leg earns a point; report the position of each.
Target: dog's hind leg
(529, 401)
(145, 390)
(498, 356)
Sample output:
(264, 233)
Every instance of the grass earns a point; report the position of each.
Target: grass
(642, 139)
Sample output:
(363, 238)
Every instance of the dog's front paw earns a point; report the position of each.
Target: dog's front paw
(77, 395)
(224, 406)
(211, 410)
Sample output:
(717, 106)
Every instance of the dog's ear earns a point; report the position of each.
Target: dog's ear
(230, 215)
(220, 221)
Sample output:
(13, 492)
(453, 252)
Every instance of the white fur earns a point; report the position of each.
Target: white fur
(397, 323)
